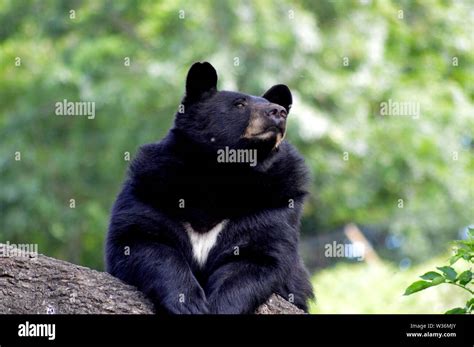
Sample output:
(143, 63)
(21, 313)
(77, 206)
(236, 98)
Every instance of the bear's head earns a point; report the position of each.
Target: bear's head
(217, 119)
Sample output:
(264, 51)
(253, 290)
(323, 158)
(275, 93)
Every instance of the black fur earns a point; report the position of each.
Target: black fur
(256, 253)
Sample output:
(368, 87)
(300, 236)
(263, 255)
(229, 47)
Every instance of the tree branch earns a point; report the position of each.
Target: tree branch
(31, 284)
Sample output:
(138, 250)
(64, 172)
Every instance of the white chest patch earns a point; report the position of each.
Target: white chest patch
(202, 243)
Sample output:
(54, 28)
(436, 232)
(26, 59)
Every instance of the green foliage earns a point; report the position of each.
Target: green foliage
(464, 249)
(376, 288)
(253, 44)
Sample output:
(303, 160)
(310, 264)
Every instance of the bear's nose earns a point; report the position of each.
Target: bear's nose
(277, 113)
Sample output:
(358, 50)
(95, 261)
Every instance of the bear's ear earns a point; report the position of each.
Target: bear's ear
(279, 94)
(202, 78)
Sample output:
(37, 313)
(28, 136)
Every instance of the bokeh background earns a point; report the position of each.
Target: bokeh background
(404, 184)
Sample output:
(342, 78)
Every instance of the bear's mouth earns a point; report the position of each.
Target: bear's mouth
(261, 129)
(268, 132)
(274, 133)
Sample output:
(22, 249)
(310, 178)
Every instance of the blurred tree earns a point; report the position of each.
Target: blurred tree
(341, 59)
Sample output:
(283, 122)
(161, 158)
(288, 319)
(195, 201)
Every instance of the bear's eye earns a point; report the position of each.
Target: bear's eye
(239, 104)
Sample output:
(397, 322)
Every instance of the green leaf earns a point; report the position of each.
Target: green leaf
(465, 277)
(417, 286)
(454, 258)
(448, 272)
(430, 275)
(457, 310)
(438, 280)
(467, 257)
(470, 303)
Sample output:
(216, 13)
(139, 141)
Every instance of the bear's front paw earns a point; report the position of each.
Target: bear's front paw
(226, 305)
(186, 303)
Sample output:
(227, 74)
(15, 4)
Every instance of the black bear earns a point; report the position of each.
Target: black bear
(208, 219)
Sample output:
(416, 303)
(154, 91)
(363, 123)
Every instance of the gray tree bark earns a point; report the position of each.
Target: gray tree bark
(36, 284)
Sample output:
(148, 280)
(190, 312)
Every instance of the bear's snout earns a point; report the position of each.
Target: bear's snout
(276, 113)
(267, 122)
